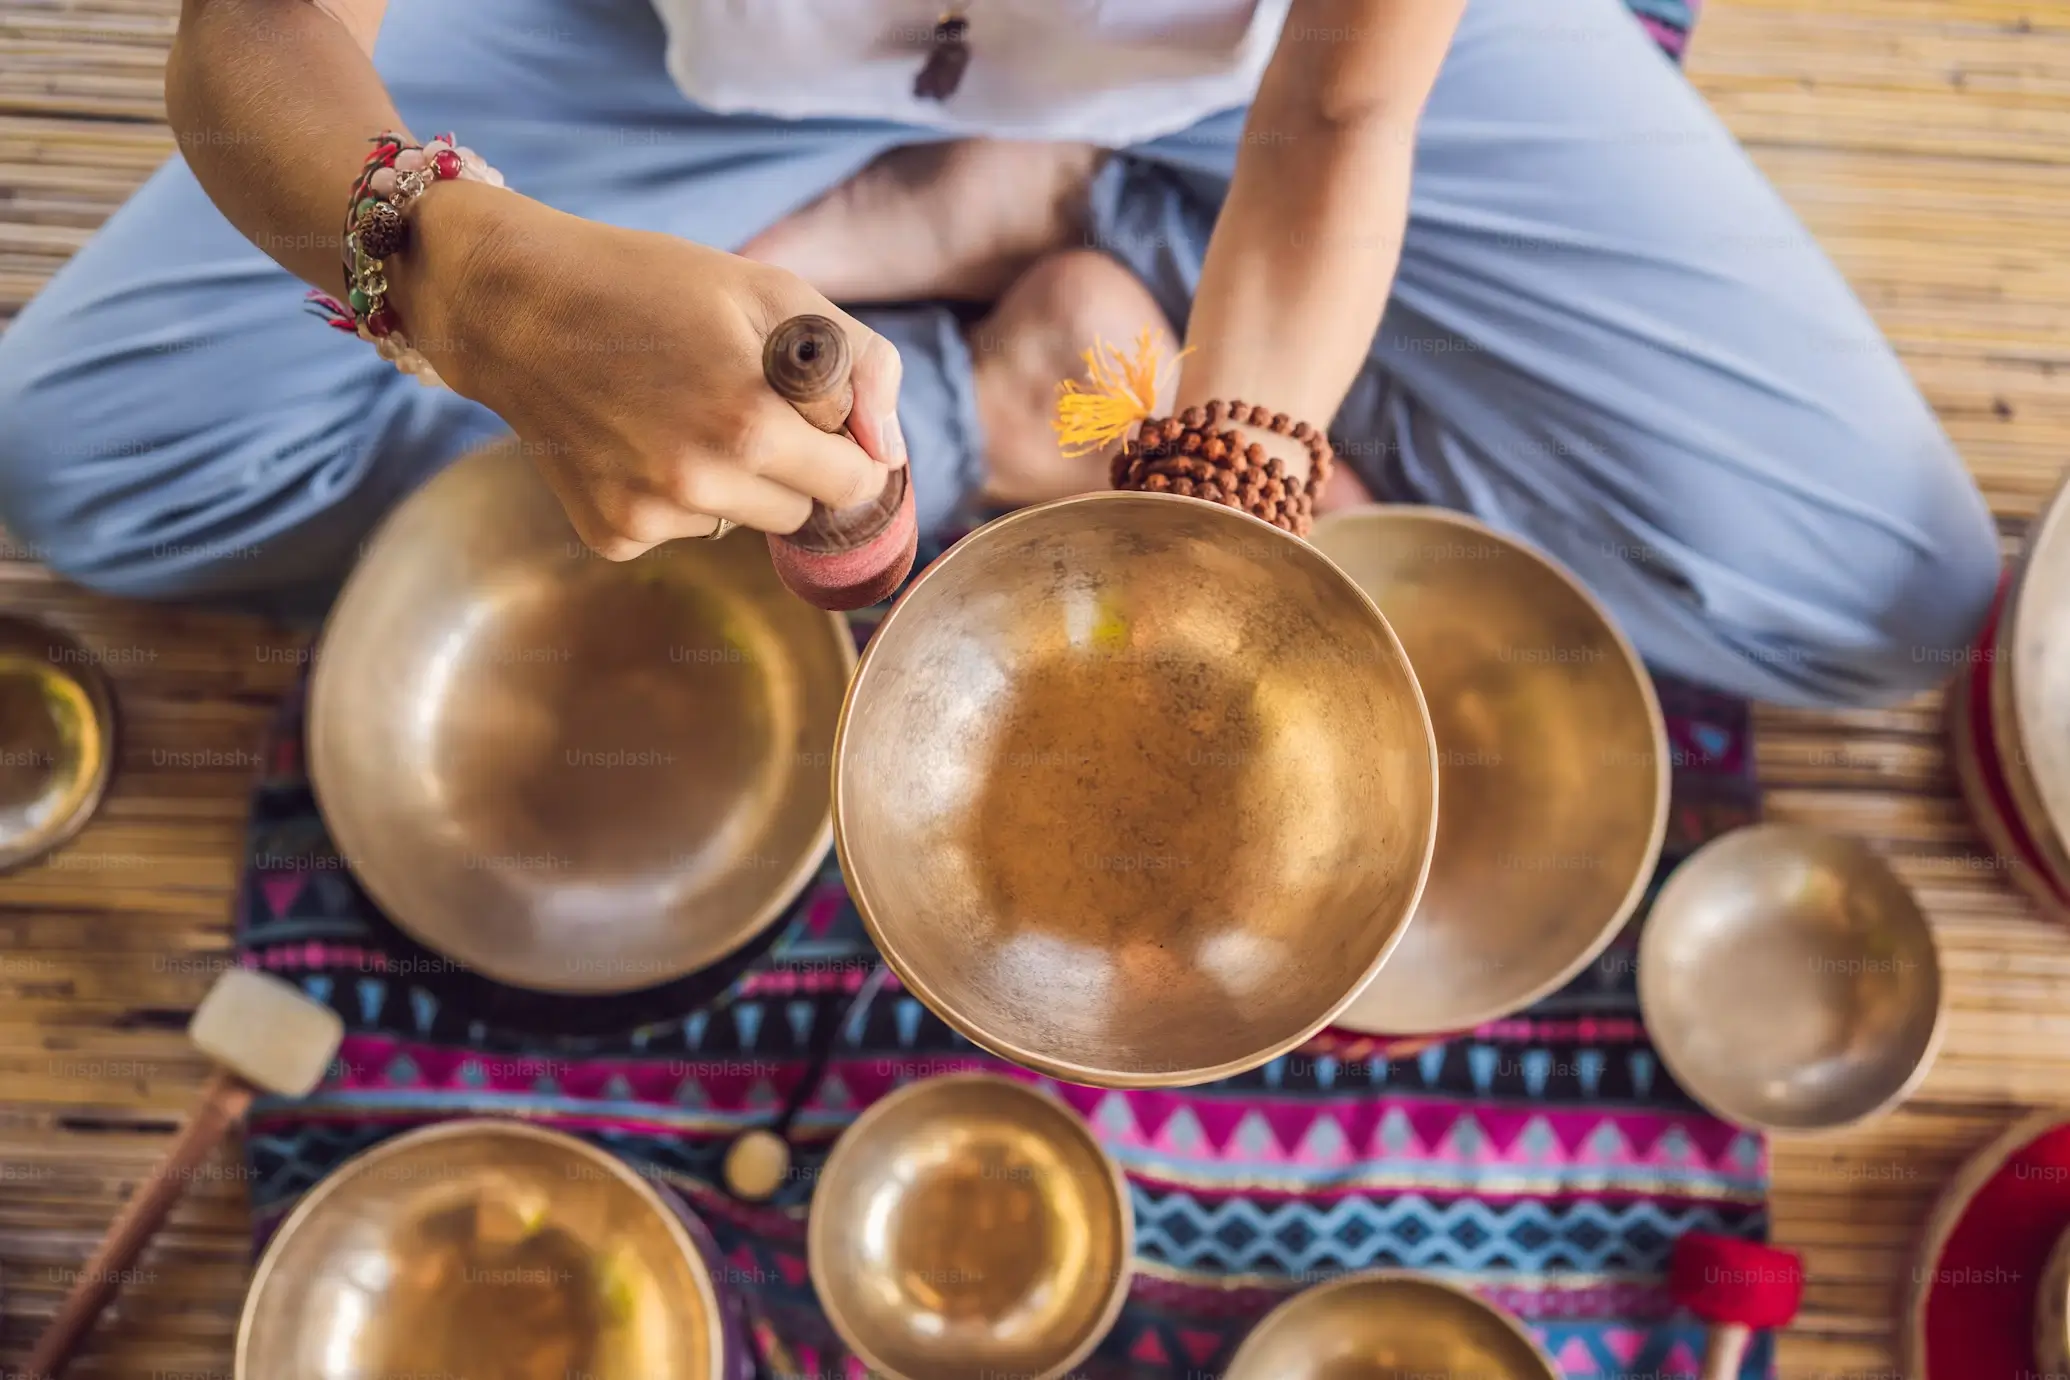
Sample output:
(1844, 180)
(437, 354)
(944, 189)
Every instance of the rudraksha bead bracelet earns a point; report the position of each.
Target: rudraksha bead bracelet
(1200, 454)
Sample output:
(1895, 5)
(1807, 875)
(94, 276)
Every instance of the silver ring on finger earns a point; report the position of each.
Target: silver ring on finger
(725, 525)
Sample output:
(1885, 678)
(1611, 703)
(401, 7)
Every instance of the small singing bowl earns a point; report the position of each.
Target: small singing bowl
(1790, 981)
(482, 1248)
(970, 1225)
(570, 774)
(1135, 790)
(1552, 766)
(57, 739)
(1389, 1325)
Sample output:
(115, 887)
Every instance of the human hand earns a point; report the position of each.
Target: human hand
(630, 365)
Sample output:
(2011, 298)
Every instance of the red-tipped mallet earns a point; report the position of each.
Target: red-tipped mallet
(1738, 1287)
(847, 558)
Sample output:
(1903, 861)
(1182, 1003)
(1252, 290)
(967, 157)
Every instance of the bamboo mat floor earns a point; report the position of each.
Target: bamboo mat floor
(1927, 143)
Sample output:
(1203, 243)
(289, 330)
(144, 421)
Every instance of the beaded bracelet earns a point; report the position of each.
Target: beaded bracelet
(1189, 455)
(1186, 454)
(377, 227)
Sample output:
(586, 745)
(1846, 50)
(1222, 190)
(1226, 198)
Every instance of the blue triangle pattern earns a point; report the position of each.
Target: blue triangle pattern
(1275, 1072)
(908, 1016)
(1588, 1067)
(747, 1023)
(1641, 1062)
(858, 1022)
(402, 1071)
(1326, 1072)
(833, 1094)
(373, 995)
(693, 1029)
(617, 1089)
(1537, 1067)
(471, 1074)
(1430, 1063)
(318, 987)
(546, 1085)
(423, 1009)
(1480, 1066)
(799, 1015)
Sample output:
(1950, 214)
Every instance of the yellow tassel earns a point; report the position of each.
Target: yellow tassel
(1119, 393)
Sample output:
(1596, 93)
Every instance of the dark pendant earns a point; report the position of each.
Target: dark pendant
(946, 62)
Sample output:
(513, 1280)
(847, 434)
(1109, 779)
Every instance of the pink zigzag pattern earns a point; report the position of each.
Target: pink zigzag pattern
(1177, 1128)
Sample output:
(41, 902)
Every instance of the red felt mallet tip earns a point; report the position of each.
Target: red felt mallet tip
(847, 558)
(1738, 1287)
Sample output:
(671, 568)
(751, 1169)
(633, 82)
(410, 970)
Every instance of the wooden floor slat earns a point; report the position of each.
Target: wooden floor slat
(1925, 143)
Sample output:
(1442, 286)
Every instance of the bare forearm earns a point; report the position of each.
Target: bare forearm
(1305, 252)
(273, 103)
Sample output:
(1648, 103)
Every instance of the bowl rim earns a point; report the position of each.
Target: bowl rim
(1656, 720)
(89, 788)
(2016, 718)
(1063, 1069)
(816, 1225)
(1246, 1354)
(318, 759)
(1648, 989)
(460, 1128)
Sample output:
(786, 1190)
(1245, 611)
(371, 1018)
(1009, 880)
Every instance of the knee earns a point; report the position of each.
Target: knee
(51, 430)
(1875, 589)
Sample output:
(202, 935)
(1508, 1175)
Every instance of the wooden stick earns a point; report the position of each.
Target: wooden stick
(223, 1103)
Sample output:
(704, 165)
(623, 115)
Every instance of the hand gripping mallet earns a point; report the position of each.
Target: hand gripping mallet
(1736, 1286)
(265, 1037)
(847, 558)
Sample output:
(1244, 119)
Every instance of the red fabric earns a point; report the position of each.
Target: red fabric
(1723, 1279)
(1980, 1309)
(1984, 747)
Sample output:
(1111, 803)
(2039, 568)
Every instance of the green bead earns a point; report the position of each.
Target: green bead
(358, 301)
(361, 209)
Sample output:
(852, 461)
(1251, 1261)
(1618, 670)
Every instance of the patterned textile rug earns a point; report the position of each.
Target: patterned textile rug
(1547, 1161)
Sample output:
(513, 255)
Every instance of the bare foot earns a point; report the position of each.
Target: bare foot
(1035, 339)
(955, 221)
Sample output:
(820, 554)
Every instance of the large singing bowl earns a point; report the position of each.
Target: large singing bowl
(483, 1249)
(1552, 761)
(2030, 686)
(568, 774)
(1135, 790)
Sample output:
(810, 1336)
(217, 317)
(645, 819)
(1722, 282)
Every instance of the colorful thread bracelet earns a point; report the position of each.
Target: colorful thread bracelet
(377, 228)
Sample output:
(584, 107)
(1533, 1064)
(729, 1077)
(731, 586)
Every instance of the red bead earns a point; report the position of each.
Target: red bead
(381, 323)
(446, 164)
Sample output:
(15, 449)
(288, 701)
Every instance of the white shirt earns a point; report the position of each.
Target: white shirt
(1107, 72)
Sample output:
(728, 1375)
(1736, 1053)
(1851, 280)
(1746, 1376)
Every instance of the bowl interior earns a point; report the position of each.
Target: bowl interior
(1135, 789)
(1388, 1327)
(1790, 980)
(481, 1249)
(970, 1226)
(1552, 766)
(57, 729)
(568, 773)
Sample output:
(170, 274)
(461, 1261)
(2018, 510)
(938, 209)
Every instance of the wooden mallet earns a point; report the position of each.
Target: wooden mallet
(847, 558)
(264, 1037)
(1738, 1287)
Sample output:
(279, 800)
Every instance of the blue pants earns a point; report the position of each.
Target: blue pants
(1609, 336)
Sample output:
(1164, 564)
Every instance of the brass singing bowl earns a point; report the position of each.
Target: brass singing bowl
(970, 1225)
(1790, 981)
(1134, 790)
(2030, 686)
(482, 1248)
(1389, 1325)
(57, 738)
(569, 774)
(1552, 766)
